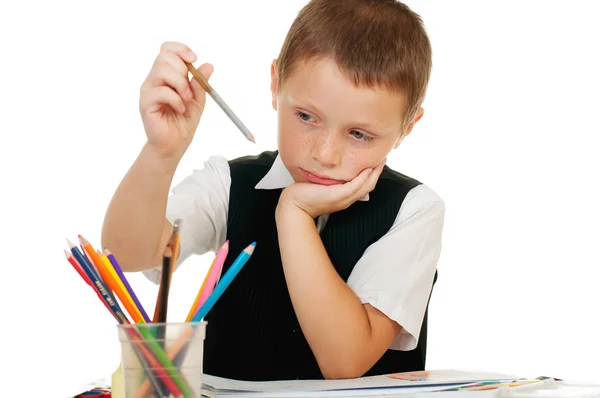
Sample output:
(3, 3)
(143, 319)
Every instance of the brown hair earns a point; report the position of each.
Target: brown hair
(374, 42)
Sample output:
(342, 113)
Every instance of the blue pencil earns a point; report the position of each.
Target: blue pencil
(83, 260)
(224, 283)
(98, 283)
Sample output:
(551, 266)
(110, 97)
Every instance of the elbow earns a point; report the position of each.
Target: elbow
(343, 369)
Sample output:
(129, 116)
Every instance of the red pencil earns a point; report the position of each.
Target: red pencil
(77, 267)
(87, 280)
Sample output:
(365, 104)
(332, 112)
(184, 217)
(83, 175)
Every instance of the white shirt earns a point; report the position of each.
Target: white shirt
(394, 275)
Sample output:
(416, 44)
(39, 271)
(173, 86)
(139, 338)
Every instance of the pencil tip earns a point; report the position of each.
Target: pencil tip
(71, 245)
(251, 139)
(250, 248)
(68, 253)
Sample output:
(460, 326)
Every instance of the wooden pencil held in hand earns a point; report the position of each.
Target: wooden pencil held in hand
(208, 88)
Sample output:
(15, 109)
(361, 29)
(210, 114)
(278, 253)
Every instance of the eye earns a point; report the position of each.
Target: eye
(305, 117)
(360, 136)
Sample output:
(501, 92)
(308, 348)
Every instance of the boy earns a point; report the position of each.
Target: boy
(347, 249)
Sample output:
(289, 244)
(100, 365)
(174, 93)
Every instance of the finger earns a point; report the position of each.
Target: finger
(183, 51)
(158, 97)
(372, 179)
(350, 188)
(364, 183)
(170, 70)
(206, 70)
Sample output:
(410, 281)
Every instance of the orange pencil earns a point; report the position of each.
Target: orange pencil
(192, 310)
(110, 282)
(122, 292)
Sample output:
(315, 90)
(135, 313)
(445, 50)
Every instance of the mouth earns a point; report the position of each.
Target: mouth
(319, 179)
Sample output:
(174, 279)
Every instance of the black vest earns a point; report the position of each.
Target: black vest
(252, 331)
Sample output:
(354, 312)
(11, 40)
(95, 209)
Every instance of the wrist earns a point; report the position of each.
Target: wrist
(288, 213)
(158, 162)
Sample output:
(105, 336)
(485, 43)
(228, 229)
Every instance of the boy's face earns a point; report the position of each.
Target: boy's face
(329, 130)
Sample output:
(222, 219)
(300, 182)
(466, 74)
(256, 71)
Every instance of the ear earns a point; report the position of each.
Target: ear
(410, 127)
(274, 83)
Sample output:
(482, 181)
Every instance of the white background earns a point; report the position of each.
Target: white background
(509, 140)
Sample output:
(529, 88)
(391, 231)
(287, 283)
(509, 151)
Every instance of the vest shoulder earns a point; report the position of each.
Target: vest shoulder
(393, 178)
(265, 158)
(251, 168)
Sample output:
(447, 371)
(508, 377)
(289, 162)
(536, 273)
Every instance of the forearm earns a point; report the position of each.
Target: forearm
(332, 318)
(135, 219)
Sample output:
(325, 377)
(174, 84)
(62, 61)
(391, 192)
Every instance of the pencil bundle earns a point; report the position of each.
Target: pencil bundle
(101, 271)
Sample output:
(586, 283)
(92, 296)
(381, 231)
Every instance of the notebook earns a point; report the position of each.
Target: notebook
(399, 383)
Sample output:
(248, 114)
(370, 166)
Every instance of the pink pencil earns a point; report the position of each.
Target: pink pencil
(212, 278)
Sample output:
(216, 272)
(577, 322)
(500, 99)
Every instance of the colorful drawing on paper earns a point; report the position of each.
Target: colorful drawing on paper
(412, 376)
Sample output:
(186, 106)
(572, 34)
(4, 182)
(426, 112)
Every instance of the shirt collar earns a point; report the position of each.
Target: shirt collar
(278, 177)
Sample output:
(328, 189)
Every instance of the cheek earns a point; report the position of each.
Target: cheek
(356, 160)
(354, 164)
(293, 143)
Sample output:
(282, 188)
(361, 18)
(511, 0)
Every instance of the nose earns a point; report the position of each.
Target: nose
(326, 150)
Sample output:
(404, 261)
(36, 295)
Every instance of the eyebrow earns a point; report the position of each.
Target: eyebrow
(309, 103)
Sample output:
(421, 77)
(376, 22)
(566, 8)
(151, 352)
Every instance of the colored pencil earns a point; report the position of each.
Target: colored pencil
(210, 280)
(168, 267)
(82, 258)
(102, 272)
(175, 241)
(192, 310)
(87, 280)
(172, 353)
(217, 98)
(111, 280)
(237, 265)
(114, 309)
(98, 283)
(205, 290)
(125, 282)
(165, 283)
(95, 260)
(164, 361)
(213, 278)
(157, 376)
(121, 291)
(225, 281)
(78, 268)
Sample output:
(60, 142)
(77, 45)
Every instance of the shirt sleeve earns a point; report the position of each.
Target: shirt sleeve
(395, 274)
(201, 201)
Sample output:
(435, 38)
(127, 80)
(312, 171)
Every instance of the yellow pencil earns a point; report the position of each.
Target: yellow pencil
(122, 292)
